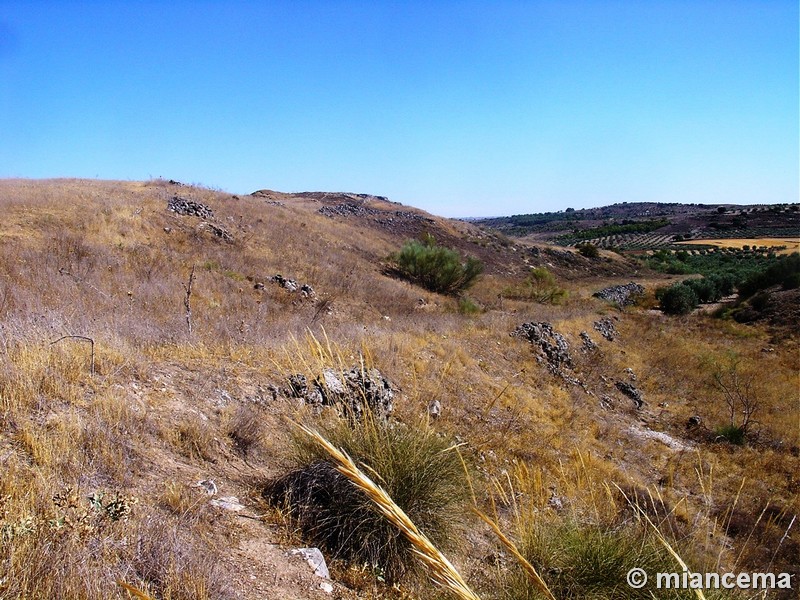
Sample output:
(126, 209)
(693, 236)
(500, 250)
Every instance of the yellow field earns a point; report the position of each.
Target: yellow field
(792, 244)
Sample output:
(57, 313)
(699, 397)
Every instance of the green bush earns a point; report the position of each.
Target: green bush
(784, 271)
(732, 434)
(539, 286)
(417, 468)
(588, 250)
(467, 306)
(588, 560)
(678, 299)
(436, 268)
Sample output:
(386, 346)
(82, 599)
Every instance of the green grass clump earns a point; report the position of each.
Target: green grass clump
(581, 560)
(539, 286)
(436, 268)
(420, 470)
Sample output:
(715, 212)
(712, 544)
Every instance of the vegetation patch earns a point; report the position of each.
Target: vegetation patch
(435, 267)
(420, 470)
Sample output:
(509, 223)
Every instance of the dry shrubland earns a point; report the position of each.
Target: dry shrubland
(161, 407)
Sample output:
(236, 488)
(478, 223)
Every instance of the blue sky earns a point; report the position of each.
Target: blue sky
(461, 108)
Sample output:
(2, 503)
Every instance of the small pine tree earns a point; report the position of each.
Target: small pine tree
(436, 268)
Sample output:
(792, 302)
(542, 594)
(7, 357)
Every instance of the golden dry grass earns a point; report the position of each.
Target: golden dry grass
(788, 245)
(93, 259)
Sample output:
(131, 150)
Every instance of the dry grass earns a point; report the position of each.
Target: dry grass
(93, 259)
(788, 245)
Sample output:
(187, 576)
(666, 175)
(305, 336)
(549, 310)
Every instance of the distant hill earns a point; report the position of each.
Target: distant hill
(673, 222)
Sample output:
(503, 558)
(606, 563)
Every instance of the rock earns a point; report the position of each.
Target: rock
(208, 485)
(588, 343)
(351, 389)
(621, 295)
(315, 560)
(552, 346)
(227, 503)
(435, 409)
(631, 392)
(694, 421)
(606, 328)
(217, 231)
(289, 284)
(326, 587)
(189, 208)
(631, 375)
(306, 291)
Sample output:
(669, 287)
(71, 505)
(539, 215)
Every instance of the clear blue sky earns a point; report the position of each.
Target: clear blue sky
(461, 108)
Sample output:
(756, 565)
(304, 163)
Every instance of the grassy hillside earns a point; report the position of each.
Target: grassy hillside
(181, 374)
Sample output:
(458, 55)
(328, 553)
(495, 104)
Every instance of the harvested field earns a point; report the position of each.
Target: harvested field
(789, 244)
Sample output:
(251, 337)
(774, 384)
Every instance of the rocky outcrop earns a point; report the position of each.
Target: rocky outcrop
(606, 328)
(189, 208)
(631, 392)
(354, 391)
(622, 295)
(551, 347)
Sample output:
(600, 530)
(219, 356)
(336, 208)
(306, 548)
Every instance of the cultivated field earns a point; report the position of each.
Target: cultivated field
(785, 245)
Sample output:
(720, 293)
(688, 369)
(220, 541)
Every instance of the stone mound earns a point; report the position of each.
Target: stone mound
(189, 208)
(622, 295)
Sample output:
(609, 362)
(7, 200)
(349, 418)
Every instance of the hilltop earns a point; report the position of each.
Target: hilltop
(156, 335)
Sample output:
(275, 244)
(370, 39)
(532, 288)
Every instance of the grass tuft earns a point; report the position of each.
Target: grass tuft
(421, 478)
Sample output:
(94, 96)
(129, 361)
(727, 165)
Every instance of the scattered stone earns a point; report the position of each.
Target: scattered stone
(435, 409)
(588, 343)
(555, 502)
(631, 375)
(606, 328)
(228, 503)
(208, 485)
(631, 392)
(189, 208)
(217, 231)
(694, 421)
(258, 286)
(167, 229)
(306, 291)
(315, 560)
(353, 390)
(552, 347)
(326, 587)
(288, 284)
(622, 295)
(348, 209)
(173, 182)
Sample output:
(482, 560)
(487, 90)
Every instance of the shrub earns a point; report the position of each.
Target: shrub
(678, 299)
(414, 465)
(436, 268)
(784, 271)
(540, 286)
(467, 306)
(589, 560)
(588, 250)
(705, 289)
(732, 434)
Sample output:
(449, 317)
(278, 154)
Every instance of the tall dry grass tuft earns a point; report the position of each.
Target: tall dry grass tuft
(441, 570)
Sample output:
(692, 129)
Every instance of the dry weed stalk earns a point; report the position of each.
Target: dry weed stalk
(133, 591)
(442, 572)
(529, 569)
(660, 536)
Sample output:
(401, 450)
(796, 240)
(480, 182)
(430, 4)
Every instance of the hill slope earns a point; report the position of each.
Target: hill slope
(188, 339)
